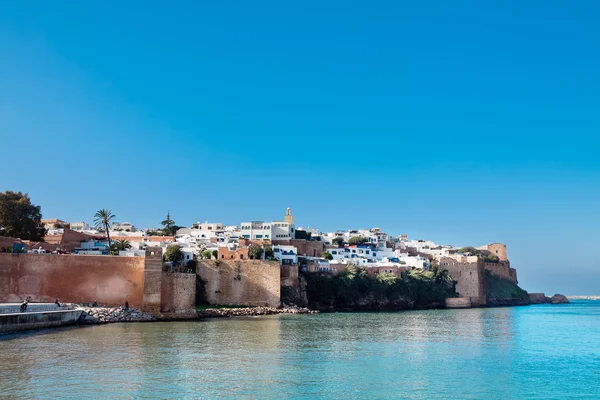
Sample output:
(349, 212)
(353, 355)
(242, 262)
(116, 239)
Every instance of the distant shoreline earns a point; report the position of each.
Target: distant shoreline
(583, 297)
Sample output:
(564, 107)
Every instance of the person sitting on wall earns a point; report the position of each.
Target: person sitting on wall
(24, 305)
(57, 303)
(95, 304)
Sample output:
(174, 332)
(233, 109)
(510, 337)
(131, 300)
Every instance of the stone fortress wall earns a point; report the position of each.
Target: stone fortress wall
(241, 282)
(469, 274)
(109, 280)
(72, 278)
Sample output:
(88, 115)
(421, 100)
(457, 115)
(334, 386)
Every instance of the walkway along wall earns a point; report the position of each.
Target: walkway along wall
(110, 280)
(241, 282)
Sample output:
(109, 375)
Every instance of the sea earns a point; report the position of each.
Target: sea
(531, 352)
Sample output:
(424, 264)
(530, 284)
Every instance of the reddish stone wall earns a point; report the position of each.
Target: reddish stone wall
(239, 254)
(305, 247)
(178, 293)
(289, 275)
(251, 283)
(502, 270)
(110, 280)
(498, 249)
(470, 278)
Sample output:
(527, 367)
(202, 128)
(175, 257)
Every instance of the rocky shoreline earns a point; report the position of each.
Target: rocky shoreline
(252, 311)
(105, 315)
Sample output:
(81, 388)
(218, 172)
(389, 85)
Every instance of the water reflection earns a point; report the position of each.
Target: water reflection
(479, 353)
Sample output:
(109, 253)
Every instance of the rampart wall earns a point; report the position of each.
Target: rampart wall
(470, 277)
(178, 292)
(502, 270)
(110, 280)
(241, 282)
(289, 275)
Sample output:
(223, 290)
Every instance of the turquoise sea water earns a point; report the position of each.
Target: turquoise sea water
(536, 352)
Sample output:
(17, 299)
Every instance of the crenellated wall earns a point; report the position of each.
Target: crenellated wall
(469, 274)
(502, 270)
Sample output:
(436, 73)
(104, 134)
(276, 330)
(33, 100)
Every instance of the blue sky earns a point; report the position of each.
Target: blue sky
(460, 122)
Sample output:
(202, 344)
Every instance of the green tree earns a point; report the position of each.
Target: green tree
(215, 254)
(102, 220)
(174, 254)
(338, 241)
(119, 245)
(269, 254)
(255, 252)
(206, 254)
(327, 255)
(19, 218)
(168, 226)
(357, 240)
(300, 234)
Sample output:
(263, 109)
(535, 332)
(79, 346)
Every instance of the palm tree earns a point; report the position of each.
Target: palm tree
(122, 245)
(102, 220)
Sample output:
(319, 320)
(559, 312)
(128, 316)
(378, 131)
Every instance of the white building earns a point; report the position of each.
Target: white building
(276, 230)
(79, 226)
(286, 254)
(124, 227)
(209, 226)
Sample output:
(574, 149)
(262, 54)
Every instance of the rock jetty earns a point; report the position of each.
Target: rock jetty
(252, 311)
(105, 315)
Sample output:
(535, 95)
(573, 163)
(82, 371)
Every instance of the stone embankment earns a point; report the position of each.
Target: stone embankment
(252, 312)
(105, 315)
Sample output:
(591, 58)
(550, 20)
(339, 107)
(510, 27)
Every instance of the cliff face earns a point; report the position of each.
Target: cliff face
(355, 290)
(503, 292)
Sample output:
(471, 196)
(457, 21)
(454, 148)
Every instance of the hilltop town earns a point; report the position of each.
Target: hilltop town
(255, 263)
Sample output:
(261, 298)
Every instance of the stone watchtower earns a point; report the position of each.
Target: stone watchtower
(288, 217)
(153, 280)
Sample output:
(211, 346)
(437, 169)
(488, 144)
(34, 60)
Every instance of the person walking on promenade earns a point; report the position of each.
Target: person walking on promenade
(24, 305)
(126, 305)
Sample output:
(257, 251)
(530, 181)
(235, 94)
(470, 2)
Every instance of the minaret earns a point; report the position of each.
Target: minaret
(288, 217)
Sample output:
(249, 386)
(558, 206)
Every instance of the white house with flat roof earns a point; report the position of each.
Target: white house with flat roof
(286, 254)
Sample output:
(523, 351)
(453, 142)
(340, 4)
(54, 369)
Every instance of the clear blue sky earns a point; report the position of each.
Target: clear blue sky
(464, 122)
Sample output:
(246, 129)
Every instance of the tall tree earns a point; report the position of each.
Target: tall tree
(169, 227)
(102, 220)
(19, 218)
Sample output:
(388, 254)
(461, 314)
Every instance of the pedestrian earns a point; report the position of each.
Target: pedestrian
(57, 303)
(24, 305)
(95, 304)
(126, 305)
